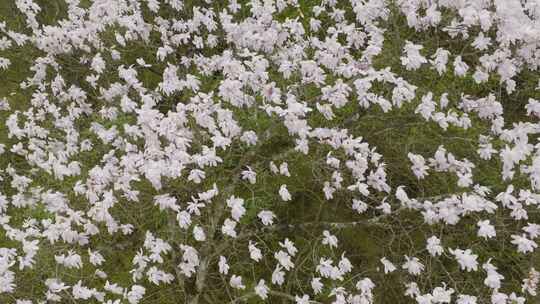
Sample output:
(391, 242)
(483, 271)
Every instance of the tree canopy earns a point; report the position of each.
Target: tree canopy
(269, 151)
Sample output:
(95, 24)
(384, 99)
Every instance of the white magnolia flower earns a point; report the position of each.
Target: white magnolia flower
(466, 259)
(413, 265)
(237, 207)
(236, 282)
(412, 59)
(434, 246)
(284, 169)
(284, 259)
(486, 230)
(284, 193)
(302, 300)
(388, 266)
(95, 257)
(466, 299)
(262, 290)
(316, 285)
(289, 246)
(71, 260)
(523, 243)
(223, 266)
(228, 228)
(249, 175)
(329, 239)
(278, 276)
(198, 234)
(266, 217)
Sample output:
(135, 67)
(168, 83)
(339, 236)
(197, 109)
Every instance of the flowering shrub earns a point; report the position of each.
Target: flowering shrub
(278, 151)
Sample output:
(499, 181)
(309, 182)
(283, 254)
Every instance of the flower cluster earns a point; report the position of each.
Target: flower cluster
(218, 151)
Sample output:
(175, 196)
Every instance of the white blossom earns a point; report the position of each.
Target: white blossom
(434, 246)
(466, 259)
(236, 282)
(284, 193)
(261, 289)
(388, 266)
(486, 230)
(413, 265)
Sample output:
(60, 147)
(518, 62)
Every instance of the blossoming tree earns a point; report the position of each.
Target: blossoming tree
(277, 151)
